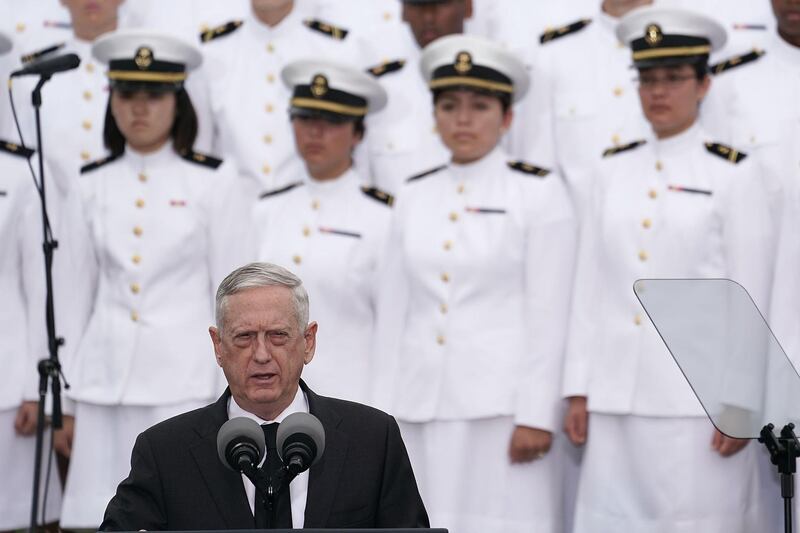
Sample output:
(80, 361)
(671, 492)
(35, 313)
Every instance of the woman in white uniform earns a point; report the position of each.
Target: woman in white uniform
(151, 211)
(325, 225)
(673, 205)
(474, 304)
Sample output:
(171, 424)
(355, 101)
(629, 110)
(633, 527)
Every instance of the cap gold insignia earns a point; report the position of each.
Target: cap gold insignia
(463, 62)
(144, 57)
(653, 34)
(319, 86)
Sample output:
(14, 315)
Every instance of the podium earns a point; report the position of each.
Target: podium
(733, 363)
(332, 530)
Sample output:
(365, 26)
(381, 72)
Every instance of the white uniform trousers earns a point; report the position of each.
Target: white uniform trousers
(469, 485)
(101, 455)
(16, 471)
(660, 475)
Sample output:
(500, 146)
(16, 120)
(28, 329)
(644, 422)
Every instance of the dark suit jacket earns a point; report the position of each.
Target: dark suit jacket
(177, 482)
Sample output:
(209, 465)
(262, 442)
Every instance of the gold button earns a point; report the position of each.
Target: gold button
(615, 139)
(653, 194)
(266, 169)
(134, 316)
(642, 256)
(659, 166)
(135, 288)
(440, 340)
(453, 216)
(85, 155)
(297, 259)
(270, 78)
(620, 44)
(460, 189)
(387, 16)
(268, 139)
(89, 67)
(571, 110)
(143, 177)
(637, 320)
(269, 108)
(87, 95)
(306, 231)
(445, 277)
(20, 27)
(270, 48)
(136, 259)
(139, 203)
(86, 124)
(137, 230)
(435, 130)
(447, 245)
(315, 204)
(618, 91)
(647, 223)
(443, 309)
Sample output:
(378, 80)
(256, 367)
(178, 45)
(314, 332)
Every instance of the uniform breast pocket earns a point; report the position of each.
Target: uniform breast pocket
(575, 106)
(178, 226)
(690, 222)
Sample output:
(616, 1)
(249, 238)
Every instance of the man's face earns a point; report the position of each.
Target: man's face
(787, 13)
(262, 349)
(430, 21)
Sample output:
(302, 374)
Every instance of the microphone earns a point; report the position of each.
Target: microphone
(300, 442)
(240, 444)
(47, 67)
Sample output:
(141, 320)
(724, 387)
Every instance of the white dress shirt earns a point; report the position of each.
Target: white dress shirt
(298, 488)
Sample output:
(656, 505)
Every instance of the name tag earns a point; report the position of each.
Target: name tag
(486, 210)
(343, 233)
(745, 26)
(678, 188)
(3, 193)
(177, 203)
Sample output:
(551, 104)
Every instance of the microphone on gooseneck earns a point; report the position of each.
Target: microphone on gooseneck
(300, 442)
(47, 67)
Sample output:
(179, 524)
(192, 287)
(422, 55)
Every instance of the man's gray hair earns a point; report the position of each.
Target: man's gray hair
(256, 275)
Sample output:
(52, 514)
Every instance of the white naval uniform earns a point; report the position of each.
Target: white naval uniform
(665, 209)
(402, 140)
(248, 99)
(145, 354)
(362, 15)
(584, 100)
(331, 234)
(472, 316)
(21, 320)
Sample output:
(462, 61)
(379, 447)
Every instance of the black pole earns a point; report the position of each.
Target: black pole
(50, 368)
(783, 453)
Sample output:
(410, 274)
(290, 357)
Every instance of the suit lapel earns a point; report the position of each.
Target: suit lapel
(224, 485)
(324, 476)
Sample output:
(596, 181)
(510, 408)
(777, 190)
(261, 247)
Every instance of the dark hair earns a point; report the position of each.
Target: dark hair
(183, 133)
(701, 70)
(505, 98)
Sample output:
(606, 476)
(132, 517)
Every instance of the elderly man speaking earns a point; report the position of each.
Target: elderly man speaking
(262, 341)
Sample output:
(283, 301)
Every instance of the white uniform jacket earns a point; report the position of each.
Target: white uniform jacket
(331, 235)
(663, 209)
(475, 295)
(154, 222)
(248, 98)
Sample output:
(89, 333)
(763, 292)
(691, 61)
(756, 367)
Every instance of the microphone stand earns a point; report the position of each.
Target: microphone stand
(783, 451)
(50, 368)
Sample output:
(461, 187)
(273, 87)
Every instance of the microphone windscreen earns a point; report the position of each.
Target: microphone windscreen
(304, 424)
(239, 429)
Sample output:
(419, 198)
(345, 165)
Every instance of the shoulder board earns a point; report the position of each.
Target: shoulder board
(725, 152)
(624, 148)
(220, 31)
(33, 56)
(276, 192)
(526, 168)
(379, 195)
(551, 35)
(425, 174)
(736, 61)
(386, 67)
(16, 149)
(94, 165)
(328, 29)
(202, 159)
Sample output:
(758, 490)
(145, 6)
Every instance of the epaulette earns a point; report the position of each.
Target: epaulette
(425, 174)
(94, 165)
(736, 61)
(551, 35)
(328, 29)
(526, 168)
(624, 148)
(379, 195)
(386, 67)
(202, 159)
(16, 149)
(276, 192)
(33, 56)
(220, 31)
(725, 152)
